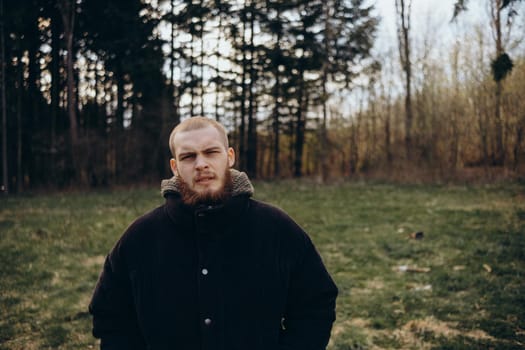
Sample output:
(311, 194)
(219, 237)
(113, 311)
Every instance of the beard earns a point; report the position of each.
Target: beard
(193, 198)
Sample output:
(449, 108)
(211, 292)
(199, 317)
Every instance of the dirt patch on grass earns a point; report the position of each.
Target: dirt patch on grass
(363, 325)
(354, 322)
(22, 343)
(375, 284)
(97, 260)
(412, 332)
(333, 253)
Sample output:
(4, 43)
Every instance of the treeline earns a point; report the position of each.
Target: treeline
(94, 87)
(91, 90)
(454, 114)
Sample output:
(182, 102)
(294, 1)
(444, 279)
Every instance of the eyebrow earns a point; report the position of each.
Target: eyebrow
(190, 153)
(213, 148)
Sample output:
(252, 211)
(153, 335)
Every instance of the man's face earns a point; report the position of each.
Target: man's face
(201, 161)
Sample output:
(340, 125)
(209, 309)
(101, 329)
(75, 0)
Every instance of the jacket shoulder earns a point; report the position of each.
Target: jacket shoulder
(140, 230)
(274, 221)
(150, 218)
(262, 211)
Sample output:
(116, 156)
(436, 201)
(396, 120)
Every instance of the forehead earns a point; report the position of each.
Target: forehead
(198, 139)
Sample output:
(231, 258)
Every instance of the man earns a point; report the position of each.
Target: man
(212, 268)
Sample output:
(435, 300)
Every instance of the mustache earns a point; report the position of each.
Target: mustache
(203, 176)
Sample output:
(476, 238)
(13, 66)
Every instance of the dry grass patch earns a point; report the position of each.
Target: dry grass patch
(94, 261)
(414, 332)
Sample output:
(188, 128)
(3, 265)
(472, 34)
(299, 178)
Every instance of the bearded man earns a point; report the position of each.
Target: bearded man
(212, 268)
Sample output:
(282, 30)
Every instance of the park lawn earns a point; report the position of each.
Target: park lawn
(460, 286)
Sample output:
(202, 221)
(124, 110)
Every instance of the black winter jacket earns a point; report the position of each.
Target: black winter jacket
(240, 276)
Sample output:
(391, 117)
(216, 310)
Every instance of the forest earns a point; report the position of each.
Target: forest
(91, 89)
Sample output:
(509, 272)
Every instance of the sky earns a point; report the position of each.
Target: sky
(441, 9)
(428, 18)
(432, 28)
(430, 22)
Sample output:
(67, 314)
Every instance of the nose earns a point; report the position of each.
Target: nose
(200, 163)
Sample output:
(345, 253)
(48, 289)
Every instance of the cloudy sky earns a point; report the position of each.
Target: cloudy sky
(428, 18)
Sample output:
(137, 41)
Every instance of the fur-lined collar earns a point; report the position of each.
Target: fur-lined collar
(241, 184)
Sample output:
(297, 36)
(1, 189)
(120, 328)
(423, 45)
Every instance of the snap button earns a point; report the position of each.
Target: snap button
(207, 321)
(204, 272)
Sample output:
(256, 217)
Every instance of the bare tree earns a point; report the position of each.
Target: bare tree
(501, 64)
(403, 8)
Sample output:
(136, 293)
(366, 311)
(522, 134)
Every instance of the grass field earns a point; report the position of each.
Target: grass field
(460, 286)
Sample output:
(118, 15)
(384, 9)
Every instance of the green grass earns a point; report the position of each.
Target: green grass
(472, 297)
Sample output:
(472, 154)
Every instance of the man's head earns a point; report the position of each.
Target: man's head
(201, 160)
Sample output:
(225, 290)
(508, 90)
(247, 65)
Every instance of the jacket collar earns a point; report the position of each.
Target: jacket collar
(241, 185)
(206, 219)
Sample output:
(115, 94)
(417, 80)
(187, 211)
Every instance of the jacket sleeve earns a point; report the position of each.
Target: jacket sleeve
(112, 307)
(310, 307)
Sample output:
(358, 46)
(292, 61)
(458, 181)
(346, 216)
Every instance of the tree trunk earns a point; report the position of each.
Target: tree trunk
(323, 149)
(5, 173)
(55, 89)
(408, 117)
(276, 91)
(276, 130)
(173, 92)
(517, 145)
(291, 145)
(31, 116)
(217, 69)
(192, 79)
(202, 54)
(371, 139)
(276, 140)
(242, 127)
(483, 128)
(67, 10)
(68, 17)
(118, 141)
(300, 126)
(19, 126)
(499, 153)
(386, 96)
(354, 152)
(251, 155)
(388, 142)
(119, 76)
(403, 12)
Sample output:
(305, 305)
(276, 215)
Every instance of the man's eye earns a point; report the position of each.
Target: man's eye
(185, 157)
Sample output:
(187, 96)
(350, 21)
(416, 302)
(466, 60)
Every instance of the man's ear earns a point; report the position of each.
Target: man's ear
(173, 166)
(231, 157)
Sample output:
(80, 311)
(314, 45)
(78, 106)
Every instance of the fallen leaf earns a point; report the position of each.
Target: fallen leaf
(487, 268)
(419, 287)
(406, 268)
(418, 269)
